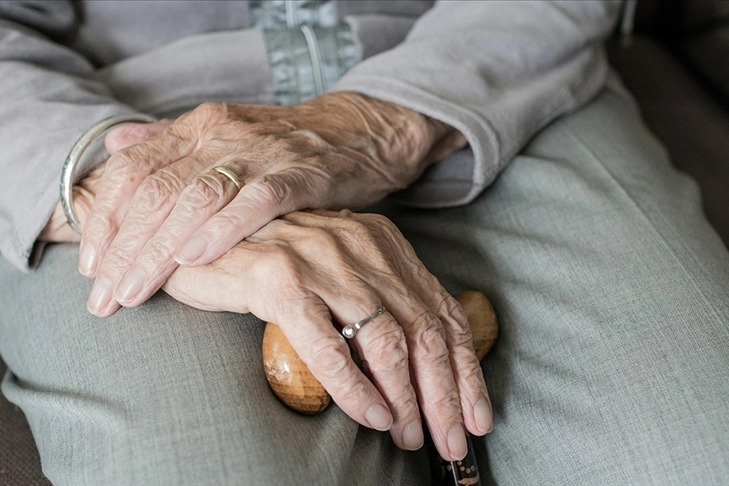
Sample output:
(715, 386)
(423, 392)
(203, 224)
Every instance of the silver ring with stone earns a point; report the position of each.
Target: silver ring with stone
(350, 330)
(69, 166)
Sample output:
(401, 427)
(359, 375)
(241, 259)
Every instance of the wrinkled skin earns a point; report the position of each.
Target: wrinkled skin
(418, 352)
(341, 150)
(418, 355)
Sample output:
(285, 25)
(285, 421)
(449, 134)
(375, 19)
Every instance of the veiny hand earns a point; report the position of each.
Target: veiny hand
(159, 204)
(305, 269)
(84, 192)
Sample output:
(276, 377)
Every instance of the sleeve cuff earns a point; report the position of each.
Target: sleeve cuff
(458, 179)
(20, 246)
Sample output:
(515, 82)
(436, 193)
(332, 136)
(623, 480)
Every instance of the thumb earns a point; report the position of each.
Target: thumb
(128, 134)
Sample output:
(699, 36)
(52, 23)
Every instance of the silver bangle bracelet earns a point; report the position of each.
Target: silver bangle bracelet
(78, 149)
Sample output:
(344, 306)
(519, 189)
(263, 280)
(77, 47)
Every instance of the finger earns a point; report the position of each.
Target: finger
(382, 347)
(328, 357)
(125, 171)
(432, 373)
(149, 208)
(381, 343)
(266, 279)
(257, 203)
(429, 355)
(475, 401)
(128, 134)
(200, 199)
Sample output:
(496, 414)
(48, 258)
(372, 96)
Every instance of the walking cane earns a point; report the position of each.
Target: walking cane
(293, 383)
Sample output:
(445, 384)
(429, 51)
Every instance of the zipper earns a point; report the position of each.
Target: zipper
(317, 66)
(292, 13)
(627, 22)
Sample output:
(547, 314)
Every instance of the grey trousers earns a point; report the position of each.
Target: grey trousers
(612, 366)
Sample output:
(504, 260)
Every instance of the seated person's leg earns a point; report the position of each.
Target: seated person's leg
(165, 394)
(613, 297)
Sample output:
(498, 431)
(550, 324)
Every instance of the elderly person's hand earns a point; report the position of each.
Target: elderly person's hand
(84, 191)
(293, 271)
(159, 203)
(305, 270)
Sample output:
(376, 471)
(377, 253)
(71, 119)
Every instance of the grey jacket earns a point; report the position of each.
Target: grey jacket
(497, 71)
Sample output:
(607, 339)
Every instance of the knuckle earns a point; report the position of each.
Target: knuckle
(330, 355)
(448, 406)
(281, 146)
(225, 221)
(355, 391)
(381, 223)
(459, 329)
(355, 231)
(117, 258)
(430, 337)
(388, 351)
(407, 405)
(471, 372)
(156, 192)
(320, 238)
(100, 227)
(304, 142)
(135, 132)
(282, 267)
(123, 163)
(269, 191)
(202, 191)
(159, 252)
(212, 110)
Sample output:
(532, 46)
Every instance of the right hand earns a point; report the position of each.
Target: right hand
(160, 205)
(308, 269)
(121, 136)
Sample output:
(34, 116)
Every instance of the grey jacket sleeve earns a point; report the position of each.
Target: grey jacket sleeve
(48, 98)
(498, 72)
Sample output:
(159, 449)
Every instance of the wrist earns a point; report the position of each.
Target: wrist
(57, 228)
(403, 136)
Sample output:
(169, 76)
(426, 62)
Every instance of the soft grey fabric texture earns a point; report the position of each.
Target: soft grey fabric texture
(497, 71)
(611, 289)
(229, 66)
(305, 62)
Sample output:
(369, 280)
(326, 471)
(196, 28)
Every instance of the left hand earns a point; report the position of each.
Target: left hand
(306, 269)
(159, 203)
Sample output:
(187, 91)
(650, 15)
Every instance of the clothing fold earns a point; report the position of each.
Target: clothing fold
(496, 71)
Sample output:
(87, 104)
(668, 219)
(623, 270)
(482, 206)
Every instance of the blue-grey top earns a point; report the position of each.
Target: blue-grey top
(497, 71)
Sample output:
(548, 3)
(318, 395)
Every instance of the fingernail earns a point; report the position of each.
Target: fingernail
(457, 443)
(412, 436)
(86, 260)
(100, 296)
(130, 285)
(191, 250)
(484, 416)
(379, 417)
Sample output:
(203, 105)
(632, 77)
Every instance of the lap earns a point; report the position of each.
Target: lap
(613, 297)
(164, 394)
(610, 287)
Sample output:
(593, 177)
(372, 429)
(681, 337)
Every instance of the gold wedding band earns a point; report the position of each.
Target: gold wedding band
(230, 175)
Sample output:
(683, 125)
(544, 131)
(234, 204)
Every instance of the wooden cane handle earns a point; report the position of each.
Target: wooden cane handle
(295, 386)
(289, 377)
